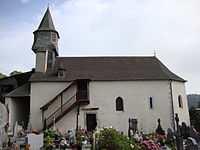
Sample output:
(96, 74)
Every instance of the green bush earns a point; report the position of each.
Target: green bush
(110, 139)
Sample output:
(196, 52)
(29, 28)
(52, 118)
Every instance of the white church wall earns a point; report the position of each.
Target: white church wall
(103, 94)
(68, 122)
(57, 104)
(41, 93)
(17, 110)
(183, 113)
(135, 95)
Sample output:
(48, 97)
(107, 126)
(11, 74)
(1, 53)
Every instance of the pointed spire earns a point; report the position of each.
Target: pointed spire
(47, 22)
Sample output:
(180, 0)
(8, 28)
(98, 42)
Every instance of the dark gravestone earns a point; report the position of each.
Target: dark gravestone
(191, 144)
(159, 129)
(179, 139)
(132, 127)
(170, 136)
(184, 130)
(193, 133)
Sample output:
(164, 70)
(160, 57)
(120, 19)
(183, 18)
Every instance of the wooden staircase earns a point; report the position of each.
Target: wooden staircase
(81, 96)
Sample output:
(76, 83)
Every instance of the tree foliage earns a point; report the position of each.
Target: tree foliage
(195, 118)
(15, 73)
(2, 75)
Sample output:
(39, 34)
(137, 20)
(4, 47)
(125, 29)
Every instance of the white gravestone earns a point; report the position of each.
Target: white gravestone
(3, 122)
(35, 141)
(15, 129)
(29, 128)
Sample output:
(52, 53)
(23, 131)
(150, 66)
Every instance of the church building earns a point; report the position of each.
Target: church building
(90, 92)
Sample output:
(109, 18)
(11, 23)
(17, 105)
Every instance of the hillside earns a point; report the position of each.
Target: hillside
(193, 100)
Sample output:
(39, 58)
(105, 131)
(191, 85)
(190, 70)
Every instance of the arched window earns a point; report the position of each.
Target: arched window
(119, 104)
(180, 103)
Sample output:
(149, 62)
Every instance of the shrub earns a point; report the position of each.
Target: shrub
(110, 139)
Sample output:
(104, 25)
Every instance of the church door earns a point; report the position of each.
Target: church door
(91, 122)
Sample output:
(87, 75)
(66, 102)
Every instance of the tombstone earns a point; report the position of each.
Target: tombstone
(191, 144)
(35, 141)
(193, 133)
(179, 139)
(159, 129)
(170, 136)
(184, 130)
(15, 129)
(29, 129)
(132, 126)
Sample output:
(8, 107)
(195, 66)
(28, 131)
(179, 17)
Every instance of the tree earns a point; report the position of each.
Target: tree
(15, 73)
(2, 75)
(195, 118)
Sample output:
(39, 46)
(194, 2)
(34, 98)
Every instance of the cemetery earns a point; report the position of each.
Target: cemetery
(106, 138)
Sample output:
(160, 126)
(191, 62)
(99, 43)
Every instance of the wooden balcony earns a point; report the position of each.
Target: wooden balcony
(82, 96)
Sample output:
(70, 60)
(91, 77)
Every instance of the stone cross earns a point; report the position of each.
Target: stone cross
(179, 139)
(159, 129)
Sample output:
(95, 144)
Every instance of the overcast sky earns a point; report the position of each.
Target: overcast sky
(171, 28)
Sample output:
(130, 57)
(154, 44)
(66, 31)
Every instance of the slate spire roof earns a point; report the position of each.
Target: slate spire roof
(47, 23)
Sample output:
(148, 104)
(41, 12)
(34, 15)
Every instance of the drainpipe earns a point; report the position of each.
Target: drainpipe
(172, 102)
(78, 109)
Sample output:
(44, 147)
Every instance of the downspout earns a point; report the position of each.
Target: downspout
(172, 102)
(78, 110)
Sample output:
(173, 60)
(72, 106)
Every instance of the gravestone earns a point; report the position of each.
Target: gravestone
(29, 128)
(184, 130)
(191, 144)
(35, 141)
(15, 129)
(159, 129)
(132, 127)
(193, 133)
(170, 136)
(3, 123)
(179, 139)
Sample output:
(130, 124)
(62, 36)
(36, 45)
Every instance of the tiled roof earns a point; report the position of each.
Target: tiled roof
(22, 91)
(108, 68)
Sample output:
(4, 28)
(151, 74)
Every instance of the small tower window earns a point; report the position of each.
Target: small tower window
(180, 103)
(53, 37)
(151, 102)
(119, 104)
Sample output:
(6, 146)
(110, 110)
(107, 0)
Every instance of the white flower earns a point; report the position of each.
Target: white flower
(132, 145)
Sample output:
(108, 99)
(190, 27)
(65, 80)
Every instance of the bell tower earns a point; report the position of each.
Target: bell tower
(45, 44)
